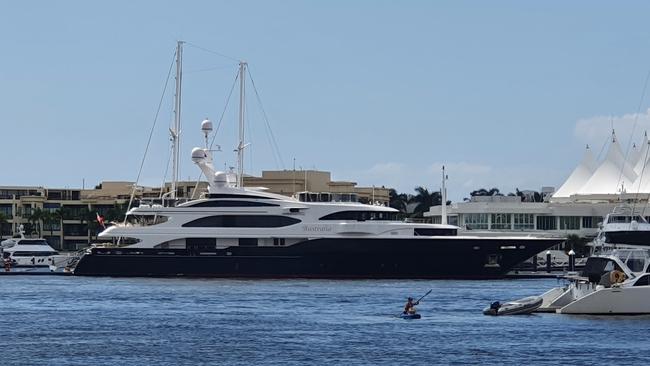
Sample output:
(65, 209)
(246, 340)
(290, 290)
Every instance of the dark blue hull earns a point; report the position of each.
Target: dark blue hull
(324, 258)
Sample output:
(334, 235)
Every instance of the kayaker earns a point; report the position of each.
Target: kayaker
(409, 308)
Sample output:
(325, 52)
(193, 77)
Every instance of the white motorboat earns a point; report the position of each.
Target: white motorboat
(624, 227)
(31, 252)
(615, 282)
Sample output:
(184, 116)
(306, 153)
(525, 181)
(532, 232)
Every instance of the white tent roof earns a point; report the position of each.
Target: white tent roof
(613, 174)
(634, 156)
(578, 177)
(643, 154)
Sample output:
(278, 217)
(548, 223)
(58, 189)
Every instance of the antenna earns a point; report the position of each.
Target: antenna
(443, 193)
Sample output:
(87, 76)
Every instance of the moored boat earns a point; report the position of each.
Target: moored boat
(233, 231)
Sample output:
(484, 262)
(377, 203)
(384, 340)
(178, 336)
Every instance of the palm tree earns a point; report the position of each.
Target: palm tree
(3, 221)
(398, 201)
(48, 219)
(424, 200)
(36, 218)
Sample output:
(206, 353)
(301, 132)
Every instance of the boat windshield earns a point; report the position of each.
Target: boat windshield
(634, 259)
(623, 219)
(33, 242)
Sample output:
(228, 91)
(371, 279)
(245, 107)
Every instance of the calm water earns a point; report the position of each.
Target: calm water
(49, 320)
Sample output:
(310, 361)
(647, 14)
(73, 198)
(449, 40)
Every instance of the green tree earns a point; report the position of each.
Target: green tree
(36, 219)
(3, 222)
(48, 220)
(577, 243)
(424, 200)
(398, 201)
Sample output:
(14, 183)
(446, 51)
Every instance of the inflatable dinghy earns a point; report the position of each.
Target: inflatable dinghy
(522, 306)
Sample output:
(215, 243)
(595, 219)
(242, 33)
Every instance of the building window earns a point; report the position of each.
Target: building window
(53, 226)
(524, 222)
(476, 221)
(501, 221)
(591, 222)
(7, 210)
(546, 223)
(569, 222)
(452, 220)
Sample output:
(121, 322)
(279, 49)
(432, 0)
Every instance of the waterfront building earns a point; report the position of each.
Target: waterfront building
(591, 191)
(66, 217)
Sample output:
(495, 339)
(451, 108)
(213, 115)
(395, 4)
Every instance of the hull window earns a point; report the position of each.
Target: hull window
(434, 232)
(201, 243)
(247, 242)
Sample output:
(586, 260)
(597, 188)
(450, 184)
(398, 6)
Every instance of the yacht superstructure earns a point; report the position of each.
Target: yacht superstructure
(234, 231)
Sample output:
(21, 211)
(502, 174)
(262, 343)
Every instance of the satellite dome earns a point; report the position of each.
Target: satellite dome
(220, 179)
(198, 154)
(206, 126)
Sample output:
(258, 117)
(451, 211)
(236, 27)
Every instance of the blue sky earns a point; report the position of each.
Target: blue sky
(504, 93)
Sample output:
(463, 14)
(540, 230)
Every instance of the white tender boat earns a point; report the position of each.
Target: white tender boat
(523, 306)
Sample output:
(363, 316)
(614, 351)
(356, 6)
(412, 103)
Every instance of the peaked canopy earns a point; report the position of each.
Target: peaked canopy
(578, 177)
(643, 156)
(614, 174)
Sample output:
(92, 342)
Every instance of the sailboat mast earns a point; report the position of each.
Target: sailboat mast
(176, 130)
(242, 108)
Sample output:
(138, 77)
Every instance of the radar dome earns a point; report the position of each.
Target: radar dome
(220, 179)
(198, 154)
(206, 126)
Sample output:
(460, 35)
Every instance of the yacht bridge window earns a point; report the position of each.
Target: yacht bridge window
(33, 254)
(33, 242)
(362, 216)
(624, 219)
(146, 220)
(327, 197)
(230, 203)
(242, 221)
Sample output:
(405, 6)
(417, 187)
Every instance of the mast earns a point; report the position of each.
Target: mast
(444, 197)
(242, 107)
(176, 130)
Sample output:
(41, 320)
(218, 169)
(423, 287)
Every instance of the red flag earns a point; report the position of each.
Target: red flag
(100, 220)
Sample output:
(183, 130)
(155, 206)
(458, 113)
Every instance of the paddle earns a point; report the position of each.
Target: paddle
(423, 296)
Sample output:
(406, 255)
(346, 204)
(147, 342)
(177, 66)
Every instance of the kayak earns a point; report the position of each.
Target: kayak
(517, 307)
(410, 316)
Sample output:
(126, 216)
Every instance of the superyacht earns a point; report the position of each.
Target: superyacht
(232, 231)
